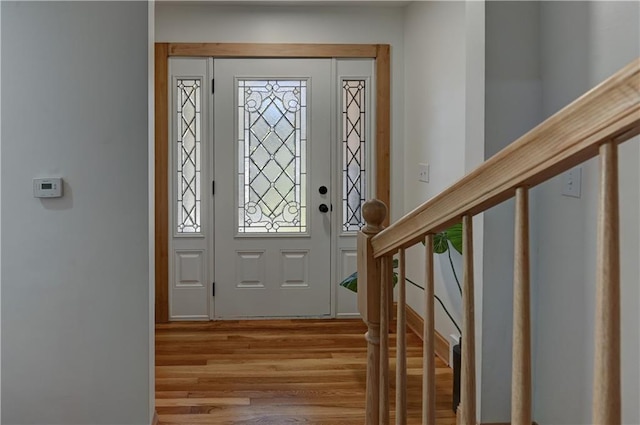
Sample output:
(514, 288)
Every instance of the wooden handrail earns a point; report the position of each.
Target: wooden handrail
(592, 125)
(610, 111)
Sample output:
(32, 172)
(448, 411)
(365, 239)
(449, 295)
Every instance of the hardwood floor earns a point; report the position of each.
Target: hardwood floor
(277, 372)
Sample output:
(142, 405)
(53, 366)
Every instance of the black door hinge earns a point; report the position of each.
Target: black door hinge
(213, 86)
(213, 187)
(213, 289)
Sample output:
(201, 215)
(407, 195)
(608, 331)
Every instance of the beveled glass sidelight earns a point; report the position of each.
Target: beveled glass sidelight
(272, 156)
(188, 157)
(353, 153)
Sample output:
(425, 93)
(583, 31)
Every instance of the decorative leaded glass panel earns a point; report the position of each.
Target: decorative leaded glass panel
(188, 158)
(353, 153)
(272, 143)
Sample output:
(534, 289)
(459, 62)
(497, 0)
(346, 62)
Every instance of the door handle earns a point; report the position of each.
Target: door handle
(323, 190)
(323, 208)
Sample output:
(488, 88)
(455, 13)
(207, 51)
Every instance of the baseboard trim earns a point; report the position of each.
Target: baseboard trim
(348, 316)
(502, 423)
(156, 420)
(415, 322)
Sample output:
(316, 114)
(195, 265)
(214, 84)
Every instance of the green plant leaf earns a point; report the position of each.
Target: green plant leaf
(440, 244)
(454, 235)
(351, 282)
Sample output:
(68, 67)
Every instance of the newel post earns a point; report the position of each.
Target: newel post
(374, 213)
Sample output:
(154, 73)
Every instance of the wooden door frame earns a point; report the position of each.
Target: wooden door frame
(163, 51)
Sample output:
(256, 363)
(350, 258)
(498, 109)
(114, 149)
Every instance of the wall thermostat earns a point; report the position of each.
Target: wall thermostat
(47, 188)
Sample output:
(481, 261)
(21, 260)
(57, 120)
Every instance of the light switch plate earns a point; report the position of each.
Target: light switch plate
(572, 182)
(423, 172)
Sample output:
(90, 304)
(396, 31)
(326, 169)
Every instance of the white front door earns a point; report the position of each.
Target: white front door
(256, 168)
(272, 141)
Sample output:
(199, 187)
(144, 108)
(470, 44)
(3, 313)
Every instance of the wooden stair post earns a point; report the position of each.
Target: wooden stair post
(369, 275)
(467, 408)
(428, 338)
(521, 351)
(607, 382)
(401, 343)
(386, 297)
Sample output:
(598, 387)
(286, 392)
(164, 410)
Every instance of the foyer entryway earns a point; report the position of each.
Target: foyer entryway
(270, 162)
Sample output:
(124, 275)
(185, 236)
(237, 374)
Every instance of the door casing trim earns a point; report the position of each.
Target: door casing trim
(163, 51)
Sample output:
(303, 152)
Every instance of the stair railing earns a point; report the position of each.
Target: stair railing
(593, 125)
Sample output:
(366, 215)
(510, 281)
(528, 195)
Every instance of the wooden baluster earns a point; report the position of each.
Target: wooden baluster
(401, 344)
(374, 213)
(428, 338)
(521, 353)
(606, 387)
(468, 379)
(385, 298)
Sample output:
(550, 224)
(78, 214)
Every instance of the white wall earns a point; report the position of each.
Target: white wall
(151, 158)
(475, 93)
(300, 24)
(444, 127)
(75, 275)
(0, 214)
(435, 79)
(583, 43)
(539, 57)
(512, 107)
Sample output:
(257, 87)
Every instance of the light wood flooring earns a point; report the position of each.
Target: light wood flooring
(277, 372)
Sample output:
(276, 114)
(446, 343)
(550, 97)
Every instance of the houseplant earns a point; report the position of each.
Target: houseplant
(442, 243)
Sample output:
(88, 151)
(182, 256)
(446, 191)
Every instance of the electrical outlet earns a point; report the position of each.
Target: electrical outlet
(572, 182)
(423, 172)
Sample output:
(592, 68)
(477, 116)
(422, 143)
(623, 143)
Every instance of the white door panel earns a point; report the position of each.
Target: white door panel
(272, 152)
(347, 300)
(189, 224)
(190, 285)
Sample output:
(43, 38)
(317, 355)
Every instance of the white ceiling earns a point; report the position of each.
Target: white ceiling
(379, 3)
